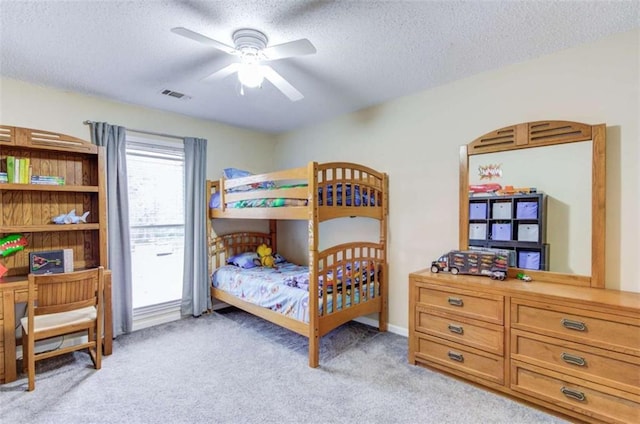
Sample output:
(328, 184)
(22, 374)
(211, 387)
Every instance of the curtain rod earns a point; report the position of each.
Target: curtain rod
(87, 122)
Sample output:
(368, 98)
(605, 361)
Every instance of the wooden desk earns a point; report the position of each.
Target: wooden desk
(13, 292)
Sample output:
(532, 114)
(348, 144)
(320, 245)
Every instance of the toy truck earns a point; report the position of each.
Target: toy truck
(475, 262)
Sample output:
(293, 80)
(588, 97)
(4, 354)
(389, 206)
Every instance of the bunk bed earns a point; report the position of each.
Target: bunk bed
(339, 284)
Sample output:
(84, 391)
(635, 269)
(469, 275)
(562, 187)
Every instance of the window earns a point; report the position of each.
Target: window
(155, 171)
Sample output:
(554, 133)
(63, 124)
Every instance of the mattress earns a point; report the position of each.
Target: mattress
(356, 198)
(285, 289)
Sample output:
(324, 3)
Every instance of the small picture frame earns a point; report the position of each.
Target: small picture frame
(51, 261)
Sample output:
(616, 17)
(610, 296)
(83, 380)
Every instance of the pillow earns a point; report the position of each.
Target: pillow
(279, 258)
(230, 173)
(244, 260)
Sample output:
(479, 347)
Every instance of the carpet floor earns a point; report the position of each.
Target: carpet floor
(232, 367)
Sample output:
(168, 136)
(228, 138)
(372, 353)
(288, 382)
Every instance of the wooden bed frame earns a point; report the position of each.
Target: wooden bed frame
(317, 176)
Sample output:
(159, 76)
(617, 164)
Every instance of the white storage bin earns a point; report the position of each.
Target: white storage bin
(478, 231)
(501, 210)
(528, 232)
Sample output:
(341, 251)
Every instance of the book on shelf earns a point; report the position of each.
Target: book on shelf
(47, 180)
(3, 177)
(18, 170)
(11, 165)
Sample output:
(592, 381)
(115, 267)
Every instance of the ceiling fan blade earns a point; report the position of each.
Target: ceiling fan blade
(281, 84)
(204, 40)
(300, 47)
(223, 73)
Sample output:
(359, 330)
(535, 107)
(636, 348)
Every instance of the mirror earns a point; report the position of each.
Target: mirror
(565, 161)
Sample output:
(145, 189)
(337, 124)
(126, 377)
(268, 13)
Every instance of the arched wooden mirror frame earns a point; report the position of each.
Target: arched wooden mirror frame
(538, 134)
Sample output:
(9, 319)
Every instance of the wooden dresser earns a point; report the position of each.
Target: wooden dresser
(574, 350)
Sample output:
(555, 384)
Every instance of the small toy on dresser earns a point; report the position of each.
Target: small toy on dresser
(492, 263)
(71, 218)
(524, 277)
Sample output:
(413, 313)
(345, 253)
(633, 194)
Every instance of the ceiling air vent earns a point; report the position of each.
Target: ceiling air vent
(175, 94)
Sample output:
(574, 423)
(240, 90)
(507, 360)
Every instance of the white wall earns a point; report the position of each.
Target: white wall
(32, 106)
(416, 139)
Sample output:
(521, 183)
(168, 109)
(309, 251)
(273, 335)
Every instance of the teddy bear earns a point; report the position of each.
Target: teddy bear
(265, 254)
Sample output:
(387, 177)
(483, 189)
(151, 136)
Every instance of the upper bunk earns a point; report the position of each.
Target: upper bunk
(317, 192)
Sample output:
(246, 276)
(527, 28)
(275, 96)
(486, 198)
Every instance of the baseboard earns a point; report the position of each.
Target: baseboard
(161, 313)
(395, 329)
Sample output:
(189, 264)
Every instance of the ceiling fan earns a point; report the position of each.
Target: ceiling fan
(251, 46)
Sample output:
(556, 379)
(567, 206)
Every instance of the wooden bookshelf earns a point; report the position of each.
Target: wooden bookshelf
(28, 209)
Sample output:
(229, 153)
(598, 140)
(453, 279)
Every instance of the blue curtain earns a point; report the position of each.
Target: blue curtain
(113, 138)
(196, 297)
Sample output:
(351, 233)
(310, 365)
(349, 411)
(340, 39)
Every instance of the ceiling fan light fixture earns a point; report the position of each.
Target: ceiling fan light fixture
(250, 75)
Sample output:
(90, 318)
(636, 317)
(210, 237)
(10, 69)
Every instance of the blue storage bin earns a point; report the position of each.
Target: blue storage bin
(529, 260)
(477, 211)
(501, 231)
(527, 210)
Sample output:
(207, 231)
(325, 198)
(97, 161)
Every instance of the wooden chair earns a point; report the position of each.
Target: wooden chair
(61, 304)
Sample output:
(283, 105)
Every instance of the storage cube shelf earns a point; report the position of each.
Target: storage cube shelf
(515, 223)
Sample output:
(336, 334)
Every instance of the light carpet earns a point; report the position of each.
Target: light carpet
(232, 368)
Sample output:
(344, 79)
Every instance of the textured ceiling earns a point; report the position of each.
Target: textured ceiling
(368, 52)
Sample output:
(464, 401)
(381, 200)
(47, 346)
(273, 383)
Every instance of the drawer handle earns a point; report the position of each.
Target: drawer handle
(573, 394)
(456, 329)
(455, 301)
(573, 359)
(573, 325)
(456, 356)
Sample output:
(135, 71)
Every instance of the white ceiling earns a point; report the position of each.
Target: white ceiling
(368, 52)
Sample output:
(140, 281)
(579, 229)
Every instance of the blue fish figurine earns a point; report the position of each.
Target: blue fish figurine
(71, 218)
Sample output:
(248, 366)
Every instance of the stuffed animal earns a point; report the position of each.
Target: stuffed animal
(265, 254)
(11, 244)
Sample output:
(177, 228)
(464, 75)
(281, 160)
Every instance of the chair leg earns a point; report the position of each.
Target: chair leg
(31, 367)
(25, 351)
(98, 335)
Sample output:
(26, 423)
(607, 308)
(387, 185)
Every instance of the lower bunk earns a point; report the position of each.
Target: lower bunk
(344, 283)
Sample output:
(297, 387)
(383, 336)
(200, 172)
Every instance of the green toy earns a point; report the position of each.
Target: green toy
(12, 244)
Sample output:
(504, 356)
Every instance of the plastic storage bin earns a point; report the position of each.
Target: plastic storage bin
(527, 210)
(477, 211)
(478, 231)
(529, 260)
(501, 210)
(501, 231)
(528, 232)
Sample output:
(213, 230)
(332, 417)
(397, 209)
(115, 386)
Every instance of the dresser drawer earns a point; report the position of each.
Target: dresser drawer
(588, 363)
(475, 305)
(612, 332)
(586, 399)
(461, 358)
(478, 334)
